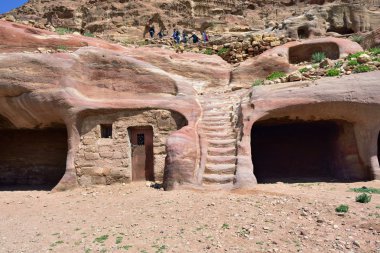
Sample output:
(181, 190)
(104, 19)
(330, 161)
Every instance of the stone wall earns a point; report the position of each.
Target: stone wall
(105, 161)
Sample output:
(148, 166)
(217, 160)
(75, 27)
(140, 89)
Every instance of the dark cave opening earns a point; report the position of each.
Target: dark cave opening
(304, 151)
(303, 32)
(32, 159)
(304, 52)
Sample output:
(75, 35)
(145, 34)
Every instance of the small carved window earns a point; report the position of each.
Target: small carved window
(140, 139)
(106, 131)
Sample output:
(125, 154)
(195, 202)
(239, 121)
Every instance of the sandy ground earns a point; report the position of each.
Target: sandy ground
(135, 218)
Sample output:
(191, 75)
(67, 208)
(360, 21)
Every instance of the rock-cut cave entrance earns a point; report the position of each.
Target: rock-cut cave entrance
(305, 151)
(304, 52)
(32, 159)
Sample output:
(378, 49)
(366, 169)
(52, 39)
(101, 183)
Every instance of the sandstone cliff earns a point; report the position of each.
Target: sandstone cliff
(125, 20)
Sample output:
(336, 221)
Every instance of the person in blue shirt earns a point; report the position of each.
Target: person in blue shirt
(151, 31)
(176, 36)
(184, 37)
(160, 34)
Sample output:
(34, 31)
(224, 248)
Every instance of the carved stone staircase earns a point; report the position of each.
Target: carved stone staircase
(218, 127)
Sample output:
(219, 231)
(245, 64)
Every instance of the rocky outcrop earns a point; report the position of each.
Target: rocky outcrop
(338, 19)
(127, 20)
(182, 159)
(352, 99)
(371, 40)
(46, 90)
(284, 57)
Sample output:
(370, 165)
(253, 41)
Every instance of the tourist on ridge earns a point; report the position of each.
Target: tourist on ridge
(195, 38)
(184, 37)
(151, 31)
(176, 36)
(205, 37)
(160, 34)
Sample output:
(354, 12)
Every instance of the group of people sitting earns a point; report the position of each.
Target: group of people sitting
(178, 38)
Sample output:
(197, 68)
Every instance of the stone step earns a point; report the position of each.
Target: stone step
(216, 123)
(220, 135)
(220, 169)
(229, 151)
(216, 114)
(214, 128)
(222, 143)
(219, 118)
(218, 108)
(221, 159)
(219, 179)
(214, 100)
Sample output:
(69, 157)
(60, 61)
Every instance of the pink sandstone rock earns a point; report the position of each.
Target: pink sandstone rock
(182, 148)
(281, 57)
(99, 84)
(354, 99)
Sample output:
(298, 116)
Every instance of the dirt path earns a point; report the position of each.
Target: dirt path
(136, 218)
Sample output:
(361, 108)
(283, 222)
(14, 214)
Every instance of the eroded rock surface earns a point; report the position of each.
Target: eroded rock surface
(200, 120)
(126, 19)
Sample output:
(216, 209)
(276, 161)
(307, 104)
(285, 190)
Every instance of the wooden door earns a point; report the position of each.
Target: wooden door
(142, 153)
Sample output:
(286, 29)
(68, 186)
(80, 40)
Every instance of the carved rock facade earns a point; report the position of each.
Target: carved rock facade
(88, 102)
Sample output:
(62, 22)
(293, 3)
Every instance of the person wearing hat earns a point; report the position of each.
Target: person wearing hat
(195, 38)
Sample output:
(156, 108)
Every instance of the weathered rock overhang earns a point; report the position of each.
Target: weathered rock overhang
(352, 99)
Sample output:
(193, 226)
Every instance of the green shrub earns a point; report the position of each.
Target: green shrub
(353, 63)
(208, 51)
(225, 226)
(366, 190)
(355, 55)
(276, 75)
(304, 70)
(363, 198)
(357, 38)
(318, 57)
(88, 34)
(101, 239)
(362, 69)
(62, 47)
(342, 209)
(258, 82)
(222, 51)
(375, 50)
(338, 64)
(333, 72)
(63, 30)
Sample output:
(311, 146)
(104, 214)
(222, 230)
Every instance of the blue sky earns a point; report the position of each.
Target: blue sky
(7, 5)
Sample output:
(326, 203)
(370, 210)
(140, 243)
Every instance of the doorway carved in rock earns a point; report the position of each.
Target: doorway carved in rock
(142, 153)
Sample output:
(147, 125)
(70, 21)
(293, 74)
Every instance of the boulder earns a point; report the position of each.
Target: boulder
(295, 76)
(364, 58)
(372, 39)
(181, 160)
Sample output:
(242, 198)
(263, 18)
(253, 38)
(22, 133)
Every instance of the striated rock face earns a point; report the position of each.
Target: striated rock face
(127, 19)
(372, 39)
(336, 19)
(55, 91)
